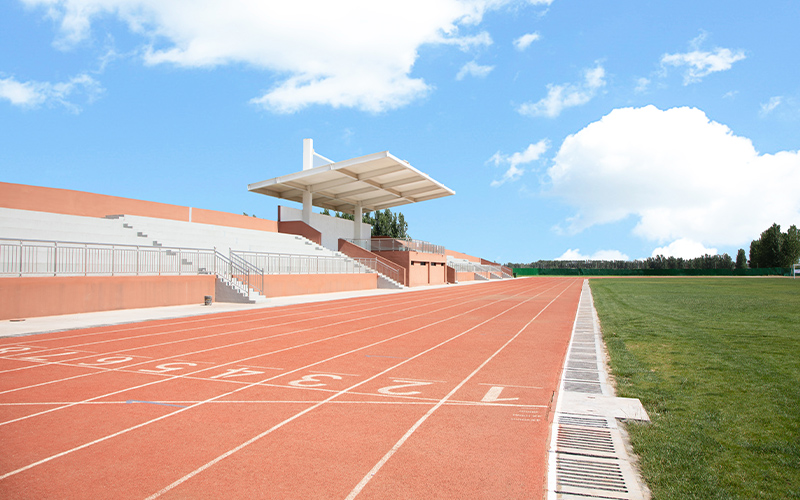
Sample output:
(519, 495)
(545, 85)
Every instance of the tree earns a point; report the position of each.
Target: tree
(775, 249)
(384, 223)
(790, 247)
(741, 259)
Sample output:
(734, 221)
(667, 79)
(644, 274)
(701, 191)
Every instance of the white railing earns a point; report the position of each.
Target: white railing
(474, 267)
(277, 263)
(241, 270)
(398, 245)
(65, 258)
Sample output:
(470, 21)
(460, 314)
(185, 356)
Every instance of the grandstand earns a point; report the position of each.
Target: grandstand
(64, 251)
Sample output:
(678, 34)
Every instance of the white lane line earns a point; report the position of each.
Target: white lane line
(256, 315)
(516, 386)
(368, 477)
(317, 405)
(202, 327)
(129, 429)
(238, 361)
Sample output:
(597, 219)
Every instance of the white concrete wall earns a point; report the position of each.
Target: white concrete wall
(332, 228)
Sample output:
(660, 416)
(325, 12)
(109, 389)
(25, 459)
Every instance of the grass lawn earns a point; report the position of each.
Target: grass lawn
(716, 363)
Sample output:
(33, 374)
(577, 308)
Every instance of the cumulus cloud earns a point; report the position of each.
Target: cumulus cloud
(32, 94)
(679, 174)
(576, 254)
(473, 69)
(532, 153)
(560, 97)
(525, 41)
(698, 63)
(685, 249)
(351, 53)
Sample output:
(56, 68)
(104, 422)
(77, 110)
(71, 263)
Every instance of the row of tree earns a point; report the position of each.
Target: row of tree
(723, 261)
(772, 249)
(383, 222)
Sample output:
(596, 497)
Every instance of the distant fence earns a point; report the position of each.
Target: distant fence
(764, 271)
(398, 245)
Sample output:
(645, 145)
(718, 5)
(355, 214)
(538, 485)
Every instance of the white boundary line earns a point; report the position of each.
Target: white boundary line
(124, 431)
(368, 477)
(317, 405)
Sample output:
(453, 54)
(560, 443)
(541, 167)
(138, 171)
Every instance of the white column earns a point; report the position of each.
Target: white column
(357, 215)
(307, 207)
(308, 154)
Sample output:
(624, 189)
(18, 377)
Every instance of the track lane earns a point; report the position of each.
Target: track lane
(162, 417)
(264, 403)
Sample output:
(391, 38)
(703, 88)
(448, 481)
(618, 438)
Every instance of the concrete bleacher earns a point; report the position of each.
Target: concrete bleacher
(171, 233)
(149, 231)
(32, 225)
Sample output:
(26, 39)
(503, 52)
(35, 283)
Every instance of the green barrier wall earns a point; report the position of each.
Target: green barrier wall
(766, 271)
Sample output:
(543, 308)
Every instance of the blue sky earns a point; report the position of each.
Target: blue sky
(567, 128)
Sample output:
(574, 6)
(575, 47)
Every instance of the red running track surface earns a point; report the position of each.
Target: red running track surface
(440, 393)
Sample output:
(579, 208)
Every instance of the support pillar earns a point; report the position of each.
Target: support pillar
(307, 207)
(357, 216)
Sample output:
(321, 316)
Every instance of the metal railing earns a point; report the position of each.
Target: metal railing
(474, 267)
(277, 263)
(398, 245)
(65, 258)
(242, 270)
(389, 270)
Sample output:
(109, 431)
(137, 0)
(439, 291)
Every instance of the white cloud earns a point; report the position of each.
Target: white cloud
(768, 107)
(576, 254)
(568, 95)
(33, 94)
(679, 173)
(351, 53)
(698, 63)
(685, 249)
(473, 69)
(525, 41)
(532, 153)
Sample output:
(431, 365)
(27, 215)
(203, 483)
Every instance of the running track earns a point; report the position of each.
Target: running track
(440, 393)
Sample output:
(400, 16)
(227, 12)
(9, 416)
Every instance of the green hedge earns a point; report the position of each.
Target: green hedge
(765, 271)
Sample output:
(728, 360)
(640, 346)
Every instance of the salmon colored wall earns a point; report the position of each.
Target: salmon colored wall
(281, 285)
(437, 273)
(65, 201)
(451, 275)
(470, 276)
(300, 228)
(204, 216)
(33, 297)
(459, 255)
(418, 274)
(355, 251)
(417, 266)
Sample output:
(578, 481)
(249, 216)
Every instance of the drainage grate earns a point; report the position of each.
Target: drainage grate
(583, 375)
(582, 421)
(588, 441)
(588, 458)
(585, 387)
(590, 477)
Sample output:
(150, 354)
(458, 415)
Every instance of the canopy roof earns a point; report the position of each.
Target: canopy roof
(375, 181)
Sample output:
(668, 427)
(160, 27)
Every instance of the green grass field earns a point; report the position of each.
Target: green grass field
(716, 363)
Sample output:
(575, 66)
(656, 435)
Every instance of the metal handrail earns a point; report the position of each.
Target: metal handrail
(388, 270)
(279, 263)
(232, 273)
(398, 245)
(21, 257)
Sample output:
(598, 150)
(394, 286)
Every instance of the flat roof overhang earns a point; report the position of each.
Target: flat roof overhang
(376, 182)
